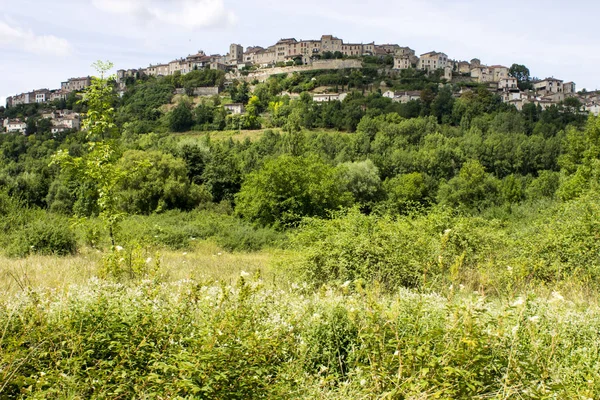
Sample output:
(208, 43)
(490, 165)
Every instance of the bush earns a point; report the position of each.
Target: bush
(47, 235)
(354, 246)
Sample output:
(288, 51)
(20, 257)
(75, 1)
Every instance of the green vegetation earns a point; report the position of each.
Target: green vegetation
(444, 248)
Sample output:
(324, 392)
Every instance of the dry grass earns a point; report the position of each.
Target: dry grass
(253, 135)
(206, 261)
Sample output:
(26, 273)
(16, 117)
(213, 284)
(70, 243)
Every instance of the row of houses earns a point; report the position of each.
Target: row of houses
(285, 50)
(61, 120)
(47, 95)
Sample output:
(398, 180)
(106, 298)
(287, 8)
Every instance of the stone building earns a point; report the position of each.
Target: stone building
(331, 44)
(326, 97)
(569, 88)
(593, 108)
(75, 84)
(406, 61)
(508, 84)
(432, 61)
(403, 97)
(14, 126)
(548, 86)
(462, 67)
(236, 54)
(235, 108)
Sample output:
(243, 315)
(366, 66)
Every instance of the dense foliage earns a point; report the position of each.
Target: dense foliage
(422, 246)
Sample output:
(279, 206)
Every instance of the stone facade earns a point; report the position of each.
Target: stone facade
(76, 84)
(432, 61)
(235, 108)
(14, 126)
(326, 97)
(403, 97)
(549, 85)
(236, 54)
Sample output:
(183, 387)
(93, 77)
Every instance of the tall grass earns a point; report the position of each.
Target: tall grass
(191, 339)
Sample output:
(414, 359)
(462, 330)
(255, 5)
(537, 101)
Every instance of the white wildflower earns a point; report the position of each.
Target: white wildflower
(557, 296)
(185, 253)
(518, 303)
(515, 329)
(244, 274)
(534, 318)
(397, 353)
(119, 248)
(363, 382)
(346, 284)
(148, 260)
(219, 254)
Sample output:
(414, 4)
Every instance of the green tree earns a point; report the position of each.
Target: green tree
(522, 74)
(181, 118)
(361, 179)
(98, 168)
(289, 188)
(472, 189)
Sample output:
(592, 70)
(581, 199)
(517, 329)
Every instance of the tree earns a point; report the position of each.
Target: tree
(289, 188)
(521, 72)
(361, 178)
(98, 168)
(161, 185)
(181, 118)
(408, 190)
(472, 189)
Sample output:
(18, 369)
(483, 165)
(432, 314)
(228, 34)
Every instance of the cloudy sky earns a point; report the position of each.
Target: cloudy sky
(45, 42)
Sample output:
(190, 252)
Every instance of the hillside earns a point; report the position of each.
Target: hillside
(439, 247)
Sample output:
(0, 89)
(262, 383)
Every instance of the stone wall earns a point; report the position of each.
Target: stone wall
(263, 74)
(201, 91)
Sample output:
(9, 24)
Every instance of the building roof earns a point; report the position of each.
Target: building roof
(287, 40)
(434, 53)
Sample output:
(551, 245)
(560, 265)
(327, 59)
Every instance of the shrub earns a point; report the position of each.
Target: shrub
(47, 235)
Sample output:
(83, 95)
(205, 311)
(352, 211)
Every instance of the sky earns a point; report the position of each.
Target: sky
(43, 43)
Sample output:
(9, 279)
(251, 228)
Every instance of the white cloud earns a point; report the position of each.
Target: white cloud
(191, 14)
(17, 38)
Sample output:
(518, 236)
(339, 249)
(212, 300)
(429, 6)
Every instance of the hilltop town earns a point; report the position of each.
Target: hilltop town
(287, 56)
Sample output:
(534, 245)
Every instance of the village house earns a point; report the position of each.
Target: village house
(236, 54)
(331, 44)
(157, 70)
(511, 96)
(235, 108)
(508, 84)
(548, 85)
(432, 61)
(403, 97)
(58, 94)
(462, 67)
(75, 84)
(14, 126)
(593, 108)
(405, 61)
(69, 121)
(326, 97)
(569, 88)
(23, 98)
